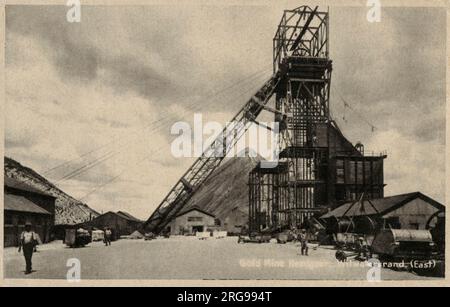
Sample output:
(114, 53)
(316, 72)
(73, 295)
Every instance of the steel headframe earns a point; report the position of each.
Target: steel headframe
(302, 32)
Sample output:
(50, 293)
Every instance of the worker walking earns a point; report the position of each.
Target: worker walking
(27, 242)
(303, 237)
(108, 237)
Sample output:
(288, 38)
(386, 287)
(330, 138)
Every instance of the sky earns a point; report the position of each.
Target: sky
(109, 88)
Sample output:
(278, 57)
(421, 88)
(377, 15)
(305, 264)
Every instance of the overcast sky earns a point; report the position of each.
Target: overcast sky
(100, 85)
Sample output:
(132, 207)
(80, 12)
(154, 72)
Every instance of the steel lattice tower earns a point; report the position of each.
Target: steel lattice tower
(301, 52)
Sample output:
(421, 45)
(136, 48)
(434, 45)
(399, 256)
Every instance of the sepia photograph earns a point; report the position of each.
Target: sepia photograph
(224, 141)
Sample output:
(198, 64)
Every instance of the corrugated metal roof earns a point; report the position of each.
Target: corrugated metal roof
(19, 185)
(120, 214)
(21, 204)
(128, 216)
(187, 210)
(377, 206)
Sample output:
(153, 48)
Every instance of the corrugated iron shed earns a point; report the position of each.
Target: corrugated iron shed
(378, 206)
(128, 216)
(18, 185)
(187, 210)
(21, 204)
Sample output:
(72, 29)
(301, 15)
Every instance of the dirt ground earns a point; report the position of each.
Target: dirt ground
(190, 258)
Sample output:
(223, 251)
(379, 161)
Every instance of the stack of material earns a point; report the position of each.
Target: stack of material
(98, 235)
(219, 234)
(136, 235)
(203, 235)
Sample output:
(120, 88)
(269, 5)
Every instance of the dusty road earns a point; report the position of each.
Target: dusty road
(190, 258)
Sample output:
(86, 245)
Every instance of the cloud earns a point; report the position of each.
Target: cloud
(392, 72)
(412, 165)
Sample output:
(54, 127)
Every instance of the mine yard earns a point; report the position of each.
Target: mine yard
(190, 258)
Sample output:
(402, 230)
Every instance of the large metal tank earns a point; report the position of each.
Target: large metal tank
(404, 244)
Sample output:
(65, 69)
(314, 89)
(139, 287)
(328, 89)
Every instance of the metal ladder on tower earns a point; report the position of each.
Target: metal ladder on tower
(212, 156)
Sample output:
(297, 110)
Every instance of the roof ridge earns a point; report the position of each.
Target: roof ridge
(392, 196)
(195, 207)
(13, 202)
(379, 205)
(128, 215)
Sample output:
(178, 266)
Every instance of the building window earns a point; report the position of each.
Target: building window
(195, 219)
(217, 222)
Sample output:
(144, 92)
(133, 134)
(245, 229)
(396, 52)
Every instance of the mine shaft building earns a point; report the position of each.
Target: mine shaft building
(319, 168)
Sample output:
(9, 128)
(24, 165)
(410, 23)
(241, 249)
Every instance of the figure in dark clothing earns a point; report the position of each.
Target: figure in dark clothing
(108, 235)
(27, 242)
(303, 237)
(362, 249)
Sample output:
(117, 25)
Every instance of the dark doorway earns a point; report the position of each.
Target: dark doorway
(197, 229)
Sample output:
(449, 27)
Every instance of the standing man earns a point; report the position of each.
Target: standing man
(27, 241)
(304, 242)
(108, 234)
